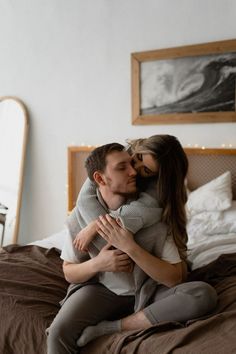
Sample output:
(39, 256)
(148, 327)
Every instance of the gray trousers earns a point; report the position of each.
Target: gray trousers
(94, 303)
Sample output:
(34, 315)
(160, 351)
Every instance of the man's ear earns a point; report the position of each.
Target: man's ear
(98, 178)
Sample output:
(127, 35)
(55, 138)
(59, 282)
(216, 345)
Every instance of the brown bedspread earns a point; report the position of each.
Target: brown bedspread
(32, 284)
(215, 334)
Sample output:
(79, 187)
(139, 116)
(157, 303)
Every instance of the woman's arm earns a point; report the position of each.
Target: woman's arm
(140, 213)
(85, 236)
(135, 215)
(87, 203)
(158, 269)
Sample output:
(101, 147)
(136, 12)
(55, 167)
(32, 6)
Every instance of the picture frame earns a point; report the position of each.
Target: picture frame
(188, 84)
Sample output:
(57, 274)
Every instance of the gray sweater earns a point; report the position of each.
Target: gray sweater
(141, 217)
(135, 215)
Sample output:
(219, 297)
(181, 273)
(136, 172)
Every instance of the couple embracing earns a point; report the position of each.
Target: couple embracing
(125, 253)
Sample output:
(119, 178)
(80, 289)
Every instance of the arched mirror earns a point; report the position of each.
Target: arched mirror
(14, 125)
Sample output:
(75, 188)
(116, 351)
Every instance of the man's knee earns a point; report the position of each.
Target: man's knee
(56, 331)
(61, 336)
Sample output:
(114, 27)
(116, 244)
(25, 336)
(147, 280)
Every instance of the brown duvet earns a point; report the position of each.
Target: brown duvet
(32, 284)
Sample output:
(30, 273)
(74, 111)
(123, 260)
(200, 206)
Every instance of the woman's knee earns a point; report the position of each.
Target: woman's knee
(203, 297)
(209, 296)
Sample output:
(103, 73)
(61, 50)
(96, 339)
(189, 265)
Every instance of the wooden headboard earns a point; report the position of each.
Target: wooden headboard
(204, 165)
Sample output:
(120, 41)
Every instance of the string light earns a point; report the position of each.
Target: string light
(203, 147)
(195, 145)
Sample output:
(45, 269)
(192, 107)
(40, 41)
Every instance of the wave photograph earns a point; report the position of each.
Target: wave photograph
(188, 85)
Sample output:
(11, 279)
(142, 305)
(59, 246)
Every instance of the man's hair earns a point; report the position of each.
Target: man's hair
(96, 161)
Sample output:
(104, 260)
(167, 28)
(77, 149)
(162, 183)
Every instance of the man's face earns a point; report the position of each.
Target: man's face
(119, 175)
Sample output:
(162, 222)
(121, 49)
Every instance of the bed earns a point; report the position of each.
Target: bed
(32, 282)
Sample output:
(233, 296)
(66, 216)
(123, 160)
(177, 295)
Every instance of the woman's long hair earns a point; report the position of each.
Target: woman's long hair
(172, 170)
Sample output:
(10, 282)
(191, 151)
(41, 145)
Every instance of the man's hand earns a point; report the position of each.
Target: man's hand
(113, 260)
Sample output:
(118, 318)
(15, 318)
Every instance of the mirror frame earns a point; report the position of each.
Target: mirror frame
(22, 164)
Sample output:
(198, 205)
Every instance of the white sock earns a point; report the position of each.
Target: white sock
(92, 332)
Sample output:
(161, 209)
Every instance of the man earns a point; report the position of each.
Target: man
(104, 284)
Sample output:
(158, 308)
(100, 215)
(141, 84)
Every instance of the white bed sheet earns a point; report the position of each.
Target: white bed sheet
(210, 235)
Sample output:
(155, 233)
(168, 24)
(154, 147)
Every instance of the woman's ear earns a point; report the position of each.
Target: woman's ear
(98, 178)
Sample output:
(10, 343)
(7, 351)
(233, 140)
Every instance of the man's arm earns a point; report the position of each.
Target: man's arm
(108, 260)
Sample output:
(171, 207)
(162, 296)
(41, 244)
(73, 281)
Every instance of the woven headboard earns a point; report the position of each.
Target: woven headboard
(204, 165)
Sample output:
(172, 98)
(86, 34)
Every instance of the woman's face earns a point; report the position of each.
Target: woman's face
(145, 165)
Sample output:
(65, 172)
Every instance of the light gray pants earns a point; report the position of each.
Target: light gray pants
(94, 303)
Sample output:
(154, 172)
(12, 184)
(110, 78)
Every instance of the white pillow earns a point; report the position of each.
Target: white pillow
(55, 240)
(215, 195)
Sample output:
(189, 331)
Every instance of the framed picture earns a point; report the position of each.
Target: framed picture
(190, 84)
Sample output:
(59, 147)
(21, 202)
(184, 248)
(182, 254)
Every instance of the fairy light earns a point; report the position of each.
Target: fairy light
(83, 144)
(189, 145)
(196, 146)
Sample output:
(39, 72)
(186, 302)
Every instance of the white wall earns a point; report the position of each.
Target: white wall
(69, 61)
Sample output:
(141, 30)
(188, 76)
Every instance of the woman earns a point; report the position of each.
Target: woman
(162, 158)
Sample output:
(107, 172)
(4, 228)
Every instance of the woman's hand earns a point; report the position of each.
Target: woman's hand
(85, 236)
(113, 232)
(159, 270)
